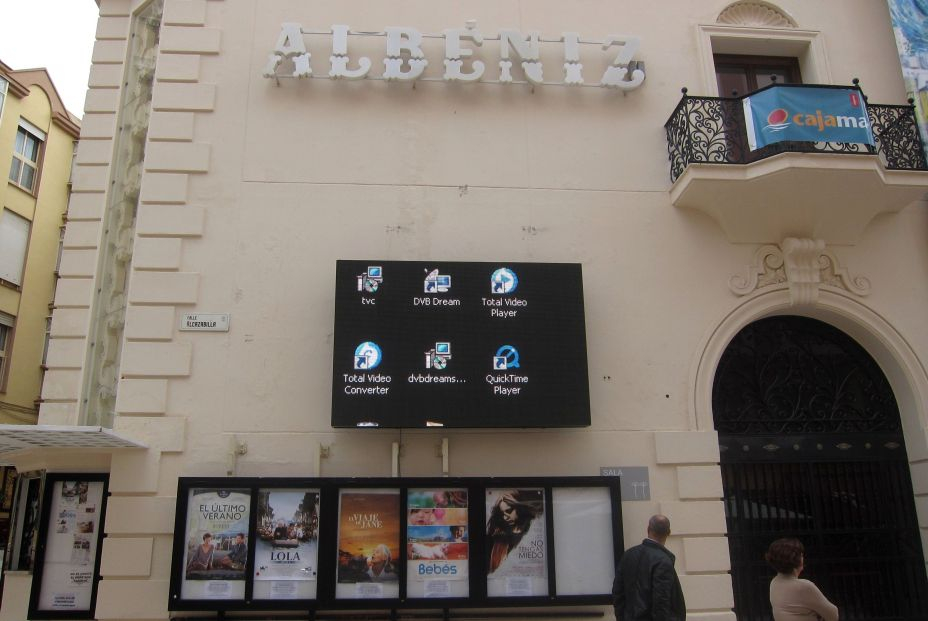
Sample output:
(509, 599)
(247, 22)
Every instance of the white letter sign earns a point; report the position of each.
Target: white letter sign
(464, 61)
(399, 39)
(339, 57)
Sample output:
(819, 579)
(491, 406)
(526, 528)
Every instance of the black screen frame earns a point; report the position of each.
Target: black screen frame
(549, 389)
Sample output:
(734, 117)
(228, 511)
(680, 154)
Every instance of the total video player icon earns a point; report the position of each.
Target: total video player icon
(367, 356)
(503, 280)
(438, 357)
(507, 357)
(370, 280)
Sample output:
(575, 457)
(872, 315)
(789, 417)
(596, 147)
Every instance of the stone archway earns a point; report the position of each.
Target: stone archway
(787, 481)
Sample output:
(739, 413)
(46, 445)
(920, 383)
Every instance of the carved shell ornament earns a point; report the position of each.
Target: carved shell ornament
(756, 14)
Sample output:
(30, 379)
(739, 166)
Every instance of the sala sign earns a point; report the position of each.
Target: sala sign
(405, 61)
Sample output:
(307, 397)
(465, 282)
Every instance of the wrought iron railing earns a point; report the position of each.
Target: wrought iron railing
(712, 130)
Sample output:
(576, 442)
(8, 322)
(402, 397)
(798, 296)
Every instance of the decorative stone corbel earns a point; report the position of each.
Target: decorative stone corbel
(803, 269)
(805, 264)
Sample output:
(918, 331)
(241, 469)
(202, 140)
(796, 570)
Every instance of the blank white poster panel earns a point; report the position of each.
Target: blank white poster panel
(584, 564)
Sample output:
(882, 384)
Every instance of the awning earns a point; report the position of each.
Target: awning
(15, 439)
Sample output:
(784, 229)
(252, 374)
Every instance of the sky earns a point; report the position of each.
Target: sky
(55, 34)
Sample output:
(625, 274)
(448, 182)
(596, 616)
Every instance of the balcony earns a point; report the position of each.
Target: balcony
(819, 190)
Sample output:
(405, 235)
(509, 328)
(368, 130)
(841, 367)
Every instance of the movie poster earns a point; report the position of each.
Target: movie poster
(216, 550)
(71, 548)
(287, 548)
(368, 544)
(516, 543)
(436, 543)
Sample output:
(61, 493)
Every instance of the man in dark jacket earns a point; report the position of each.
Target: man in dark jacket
(646, 586)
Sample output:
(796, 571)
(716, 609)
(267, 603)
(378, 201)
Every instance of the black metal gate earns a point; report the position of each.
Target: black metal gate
(812, 448)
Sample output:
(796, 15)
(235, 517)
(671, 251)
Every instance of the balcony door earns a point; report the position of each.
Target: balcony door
(738, 75)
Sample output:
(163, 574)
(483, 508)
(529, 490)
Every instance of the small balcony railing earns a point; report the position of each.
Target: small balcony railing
(712, 130)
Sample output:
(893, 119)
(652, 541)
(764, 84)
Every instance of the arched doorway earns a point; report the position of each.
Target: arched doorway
(812, 447)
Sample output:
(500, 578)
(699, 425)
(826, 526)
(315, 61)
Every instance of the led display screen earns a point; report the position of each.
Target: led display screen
(452, 344)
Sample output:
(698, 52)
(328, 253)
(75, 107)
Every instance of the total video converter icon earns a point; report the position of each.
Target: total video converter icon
(507, 357)
(503, 280)
(370, 280)
(435, 282)
(367, 356)
(438, 356)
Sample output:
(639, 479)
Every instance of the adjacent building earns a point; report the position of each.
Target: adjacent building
(38, 138)
(755, 343)
(37, 141)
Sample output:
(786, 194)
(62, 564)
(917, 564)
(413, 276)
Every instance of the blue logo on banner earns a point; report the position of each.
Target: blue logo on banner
(806, 114)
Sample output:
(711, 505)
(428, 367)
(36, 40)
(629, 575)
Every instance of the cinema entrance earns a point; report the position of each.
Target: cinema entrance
(812, 447)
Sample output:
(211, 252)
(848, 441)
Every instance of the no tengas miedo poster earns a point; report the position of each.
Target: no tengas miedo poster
(71, 547)
(516, 543)
(368, 544)
(437, 543)
(216, 546)
(287, 546)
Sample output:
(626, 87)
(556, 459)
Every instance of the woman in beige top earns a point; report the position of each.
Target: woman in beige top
(792, 598)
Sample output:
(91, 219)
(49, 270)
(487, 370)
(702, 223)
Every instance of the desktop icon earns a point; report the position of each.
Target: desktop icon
(438, 357)
(503, 280)
(367, 356)
(435, 282)
(371, 280)
(507, 357)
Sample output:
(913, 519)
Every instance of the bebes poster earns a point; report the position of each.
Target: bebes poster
(71, 546)
(437, 543)
(216, 546)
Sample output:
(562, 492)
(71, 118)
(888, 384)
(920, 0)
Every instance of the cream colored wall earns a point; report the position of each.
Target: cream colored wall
(251, 192)
(44, 210)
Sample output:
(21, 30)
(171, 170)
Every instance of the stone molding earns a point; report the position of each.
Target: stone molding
(805, 265)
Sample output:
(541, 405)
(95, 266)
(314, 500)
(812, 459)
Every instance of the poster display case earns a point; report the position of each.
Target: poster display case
(67, 562)
(362, 544)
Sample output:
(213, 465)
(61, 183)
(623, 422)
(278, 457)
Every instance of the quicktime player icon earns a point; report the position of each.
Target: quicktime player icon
(507, 357)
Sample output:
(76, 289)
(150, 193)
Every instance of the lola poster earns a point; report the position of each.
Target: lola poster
(287, 546)
(368, 544)
(216, 544)
(437, 543)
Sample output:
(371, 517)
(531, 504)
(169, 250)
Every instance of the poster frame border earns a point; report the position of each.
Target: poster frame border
(329, 490)
(50, 480)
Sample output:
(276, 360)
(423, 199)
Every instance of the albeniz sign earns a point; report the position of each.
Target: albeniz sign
(405, 61)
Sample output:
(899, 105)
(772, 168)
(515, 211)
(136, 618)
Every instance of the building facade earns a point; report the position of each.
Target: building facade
(755, 339)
